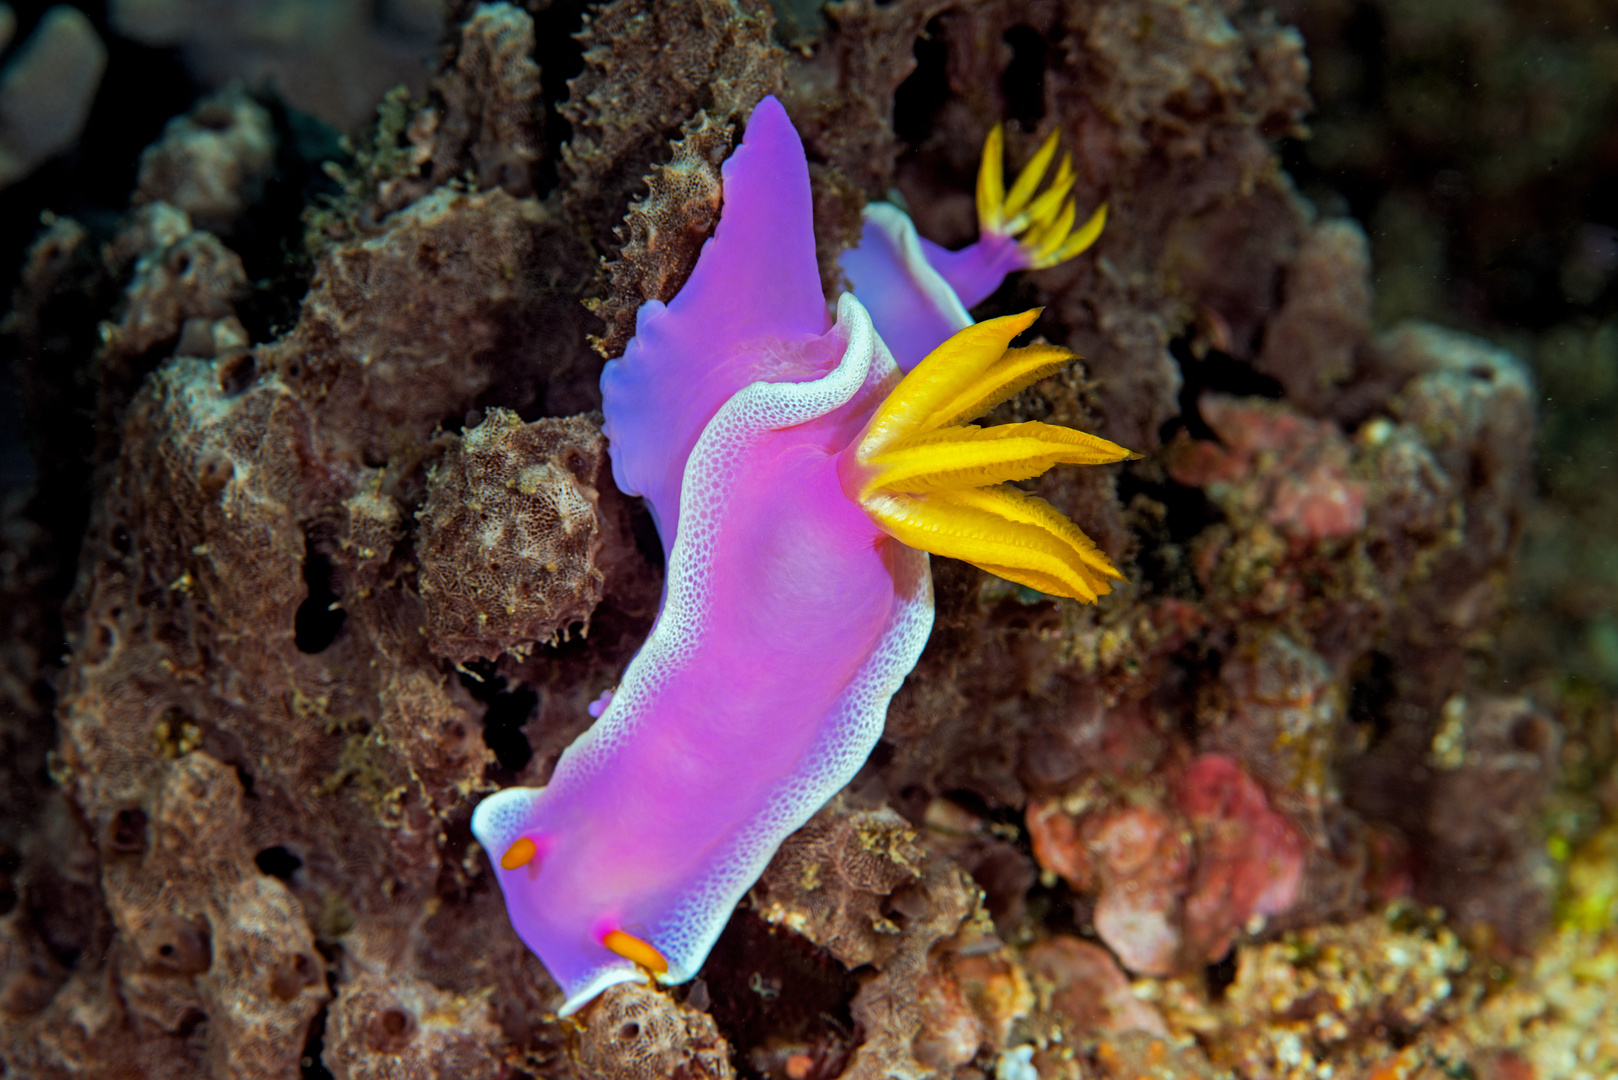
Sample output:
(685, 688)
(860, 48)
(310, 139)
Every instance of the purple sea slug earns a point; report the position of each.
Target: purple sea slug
(918, 293)
(798, 480)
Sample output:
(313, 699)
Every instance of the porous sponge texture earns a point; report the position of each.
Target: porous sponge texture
(509, 536)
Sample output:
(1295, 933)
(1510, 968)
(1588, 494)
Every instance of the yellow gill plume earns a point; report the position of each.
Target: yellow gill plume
(1042, 224)
(934, 481)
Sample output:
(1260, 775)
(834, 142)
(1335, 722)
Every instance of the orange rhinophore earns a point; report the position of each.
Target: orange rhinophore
(635, 950)
(519, 854)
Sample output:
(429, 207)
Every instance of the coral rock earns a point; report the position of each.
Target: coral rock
(1494, 757)
(1249, 858)
(1307, 493)
(635, 1032)
(858, 885)
(405, 329)
(212, 162)
(1143, 862)
(492, 114)
(510, 537)
(665, 230)
(404, 1028)
(1087, 990)
(671, 60)
(1310, 345)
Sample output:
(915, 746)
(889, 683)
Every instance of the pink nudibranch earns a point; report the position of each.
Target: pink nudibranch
(807, 482)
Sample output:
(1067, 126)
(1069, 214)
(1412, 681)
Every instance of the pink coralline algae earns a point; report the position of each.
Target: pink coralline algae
(1249, 858)
(1177, 883)
(1291, 469)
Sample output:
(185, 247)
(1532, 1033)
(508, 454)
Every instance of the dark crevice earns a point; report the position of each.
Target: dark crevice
(310, 1066)
(767, 987)
(1212, 372)
(1370, 695)
(509, 707)
(1187, 510)
(920, 96)
(560, 56)
(1220, 974)
(1023, 82)
(269, 236)
(318, 621)
(644, 531)
(1166, 516)
(278, 862)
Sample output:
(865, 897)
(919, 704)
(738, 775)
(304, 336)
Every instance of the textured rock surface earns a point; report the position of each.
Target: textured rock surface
(1266, 809)
(211, 162)
(509, 536)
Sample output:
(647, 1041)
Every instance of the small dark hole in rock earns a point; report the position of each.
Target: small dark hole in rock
(126, 833)
(215, 116)
(237, 372)
(213, 473)
(1482, 373)
(189, 1022)
(509, 707)
(317, 623)
(120, 539)
(178, 944)
(1371, 693)
(278, 862)
(389, 1030)
(8, 901)
(182, 265)
(1023, 82)
(925, 91)
(1531, 734)
(309, 1065)
(1217, 372)
(1220, 974)
(629, 1031)
(10, 862)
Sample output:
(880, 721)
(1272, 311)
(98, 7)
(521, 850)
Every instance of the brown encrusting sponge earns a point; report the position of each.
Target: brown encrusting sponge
(339, 510)
(509, 538)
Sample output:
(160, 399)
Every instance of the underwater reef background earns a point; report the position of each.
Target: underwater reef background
(1327, 787)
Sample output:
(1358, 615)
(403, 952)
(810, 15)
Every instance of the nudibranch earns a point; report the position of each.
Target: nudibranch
(918, 292)
(798, 480)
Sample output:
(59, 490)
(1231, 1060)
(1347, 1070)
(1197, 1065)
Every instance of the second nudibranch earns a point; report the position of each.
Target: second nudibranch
(798, 479)
(918, 292)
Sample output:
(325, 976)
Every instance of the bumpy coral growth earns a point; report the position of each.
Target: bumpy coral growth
(509, 536)
(664, 231)
(637, 1033)
(211, 162)
(709, 55)
(382, 1029)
